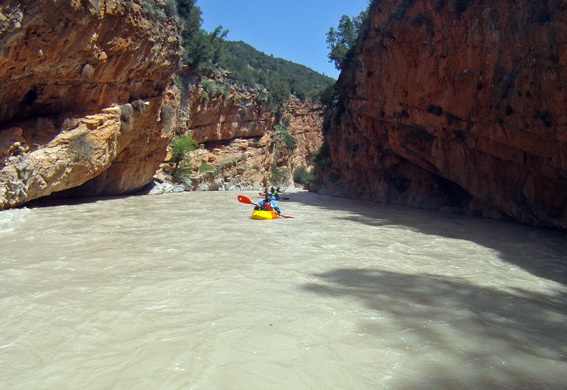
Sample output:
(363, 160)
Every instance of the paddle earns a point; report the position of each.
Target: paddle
(243, 199)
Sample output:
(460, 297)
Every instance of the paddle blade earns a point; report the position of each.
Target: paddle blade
(285, 216)
(243, 199)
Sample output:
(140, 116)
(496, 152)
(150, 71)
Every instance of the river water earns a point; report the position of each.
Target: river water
(185, 291)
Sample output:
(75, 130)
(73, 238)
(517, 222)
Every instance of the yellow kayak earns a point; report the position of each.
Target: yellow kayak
(263, 214)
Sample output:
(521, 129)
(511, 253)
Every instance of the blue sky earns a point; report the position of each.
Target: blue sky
(294, 29)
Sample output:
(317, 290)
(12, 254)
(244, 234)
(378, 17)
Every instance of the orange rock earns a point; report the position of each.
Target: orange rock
(459, 107)
(68, 74)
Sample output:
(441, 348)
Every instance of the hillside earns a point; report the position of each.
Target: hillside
(280, 77)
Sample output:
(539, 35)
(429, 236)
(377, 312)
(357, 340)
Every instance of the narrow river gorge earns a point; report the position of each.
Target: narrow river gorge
(185, 291)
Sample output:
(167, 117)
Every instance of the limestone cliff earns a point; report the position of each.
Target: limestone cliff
(214, 109)
(82, 99)
(306, 128)
(240, 146)
(456, 104)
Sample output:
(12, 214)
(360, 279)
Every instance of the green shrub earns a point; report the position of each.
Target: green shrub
(303, 176)
(171, 8)
(322, 157)
(208, 86)
(205, 167)
(286, 138)
(330, 98)
(154, 10)
(278, 176)
(230, 163)
(278, 114)
(181, 146)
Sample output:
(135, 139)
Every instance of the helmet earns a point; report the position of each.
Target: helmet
(268, 193)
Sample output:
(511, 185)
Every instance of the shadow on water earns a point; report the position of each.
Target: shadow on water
(539, 251)
(485, 338)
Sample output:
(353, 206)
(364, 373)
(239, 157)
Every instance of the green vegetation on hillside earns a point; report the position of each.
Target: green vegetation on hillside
(276, 77)
(201, 49)
(279, 77)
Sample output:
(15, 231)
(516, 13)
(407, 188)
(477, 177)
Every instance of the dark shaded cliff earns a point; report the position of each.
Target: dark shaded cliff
(458, 105)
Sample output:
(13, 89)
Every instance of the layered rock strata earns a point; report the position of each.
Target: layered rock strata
(306, 124)
(239, 145)
(456, 104)
(215, 110)
(83, 103)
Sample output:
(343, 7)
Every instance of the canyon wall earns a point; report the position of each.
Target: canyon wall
(214, 109)
(240, 144)
(84, 98)
(457, 105)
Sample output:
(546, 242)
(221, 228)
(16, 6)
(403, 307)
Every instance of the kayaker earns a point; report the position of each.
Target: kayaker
(268, 201)
(276, 194)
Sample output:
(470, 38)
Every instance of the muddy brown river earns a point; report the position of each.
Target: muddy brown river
(185, 291)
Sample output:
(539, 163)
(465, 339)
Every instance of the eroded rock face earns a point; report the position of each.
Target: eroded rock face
(306, 124)
(458, 104)
(213, 110)
(83, 103)
(239, 145)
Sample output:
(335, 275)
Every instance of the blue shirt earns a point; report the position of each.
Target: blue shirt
(271, 203)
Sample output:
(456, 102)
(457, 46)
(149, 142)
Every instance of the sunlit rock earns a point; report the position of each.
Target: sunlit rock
(84, 83)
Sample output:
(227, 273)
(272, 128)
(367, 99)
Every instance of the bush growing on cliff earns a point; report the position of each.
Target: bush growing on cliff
(279, 176)
(322, 157)
(204, 167)
(287, 139)
(208, 86)
(153, 9)
(342, 41)
(330, 99)
(189, 17)
(171, 8)
(201, 49)
(181, 146)
(303, 176)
